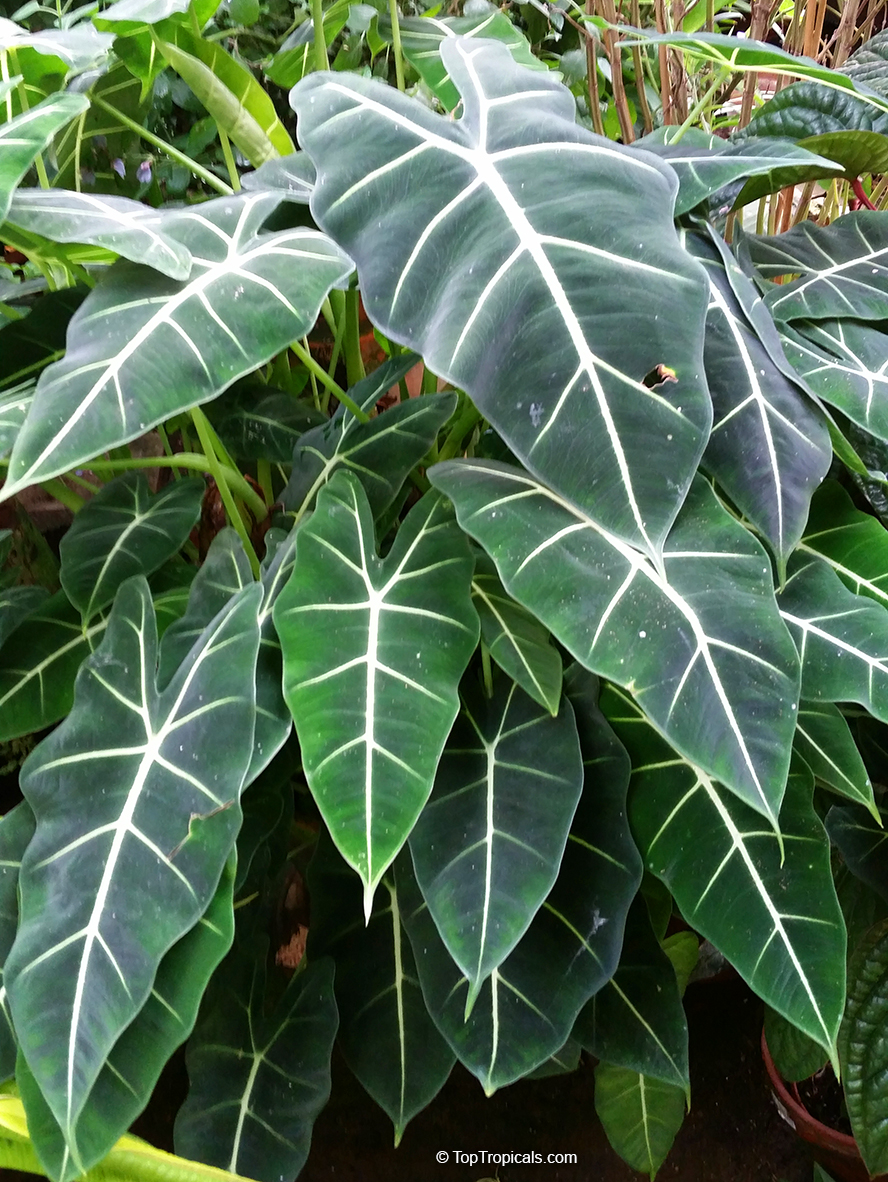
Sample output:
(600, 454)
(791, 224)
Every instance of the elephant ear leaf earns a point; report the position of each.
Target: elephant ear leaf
(535, 316)
(151, 785)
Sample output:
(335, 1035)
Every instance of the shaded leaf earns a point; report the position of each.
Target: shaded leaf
(489, 192)
(25, 136)
(16, 604)
(863, 1044)
(863, 843)
(639, 1115)
(795, 1055)
(258, 423)
(16, 831)
(14, 406)
(125, 530)
(827, 746)
(373, 653)
(487, 846)
(259, 1077)
(27, 346)
(386, 1034)
(517, 641)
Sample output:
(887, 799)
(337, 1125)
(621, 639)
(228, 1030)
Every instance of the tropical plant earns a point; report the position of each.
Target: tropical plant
(570, 612)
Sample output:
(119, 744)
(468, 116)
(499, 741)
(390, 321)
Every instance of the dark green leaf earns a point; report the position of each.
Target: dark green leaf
(16, 831)
(639, 1115)
(258, 423)
(827, 746)
(863, 1044)
(24, 137)
(863, 843)
(795, 1055)
(27, 346)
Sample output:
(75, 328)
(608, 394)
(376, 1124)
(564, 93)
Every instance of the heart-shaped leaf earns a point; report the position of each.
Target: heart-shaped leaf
(640, 1115)
(373, 654)
(699, 639)
(125, 530)
(787, 939)
(385, 1032)
(172, 344)
(488, 844)
(151, 796)
(490, 193)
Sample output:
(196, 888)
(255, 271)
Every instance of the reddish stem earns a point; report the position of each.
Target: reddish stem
(861, 195)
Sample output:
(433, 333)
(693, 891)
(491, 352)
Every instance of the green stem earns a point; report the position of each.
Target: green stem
(327, 382)
(60, 492)
(486, 670)
(263, 478)
(194, 461)
(354, 364)
(396, 44)
(229, 159)
(219, 474)
(452, 445)
(198, 170)
(26, 106)
(700, 106)
(322, 62)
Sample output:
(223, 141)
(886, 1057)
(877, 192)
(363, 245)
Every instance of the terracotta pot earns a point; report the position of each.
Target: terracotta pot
(836, 1152)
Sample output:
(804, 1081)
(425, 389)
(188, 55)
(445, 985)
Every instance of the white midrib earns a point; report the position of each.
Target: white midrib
(399, 996)
(369, 738)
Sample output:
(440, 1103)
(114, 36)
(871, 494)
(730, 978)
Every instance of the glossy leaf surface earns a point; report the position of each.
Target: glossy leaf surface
(698, 648)
(125, 530)
(172, 344)
(373, 654)
(25, 136)
(827, 746)
(488, 844)
(151, 787)
(16, 831)
(489, 192)
(386, 1034)
(787, 939)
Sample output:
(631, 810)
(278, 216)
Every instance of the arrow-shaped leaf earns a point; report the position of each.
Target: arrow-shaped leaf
(487, 846)
(171, 344)
(640, 1115)
(825, 743)
(373, 654)
(767, 902)
(125, 530)
(151, 785)
(490, 192)
(698, 640)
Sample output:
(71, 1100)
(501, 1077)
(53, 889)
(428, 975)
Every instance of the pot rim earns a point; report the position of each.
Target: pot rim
(794, 1105)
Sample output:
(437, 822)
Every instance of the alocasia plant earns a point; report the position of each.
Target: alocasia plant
(559, 593)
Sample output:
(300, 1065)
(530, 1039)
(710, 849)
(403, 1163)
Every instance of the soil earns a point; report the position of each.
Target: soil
(732, 1134)
(823, 1097)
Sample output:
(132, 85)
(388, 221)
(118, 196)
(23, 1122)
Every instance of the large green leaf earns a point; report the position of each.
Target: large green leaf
(536, 314)
(16, 831)
(385, 1031)
(421, 38)
(842, 268)
(488, 844)
(125, 530)
(16, 604)
(698, 643)
(770, 447)
(854, 544)
(864, 1048)
(517, 641)
(259, 1075)
(128, 228)
(844, 362)
(766, 902)
(640, 1115)
(380, 451)
(842, 638)
(795, 1055)
(14, 406)
(527, 1007)
(373, 654)
(229, 92)
(142, 347)
(868, 65)
(23, 138)
(150, 805)
(637, 1020)
(130, 1075)
(863, 843)
(825, 743)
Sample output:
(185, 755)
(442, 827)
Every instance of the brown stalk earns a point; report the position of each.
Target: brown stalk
(614, 56)
(592, 71)
(638, 63)
(758, 27)
(846, 32)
